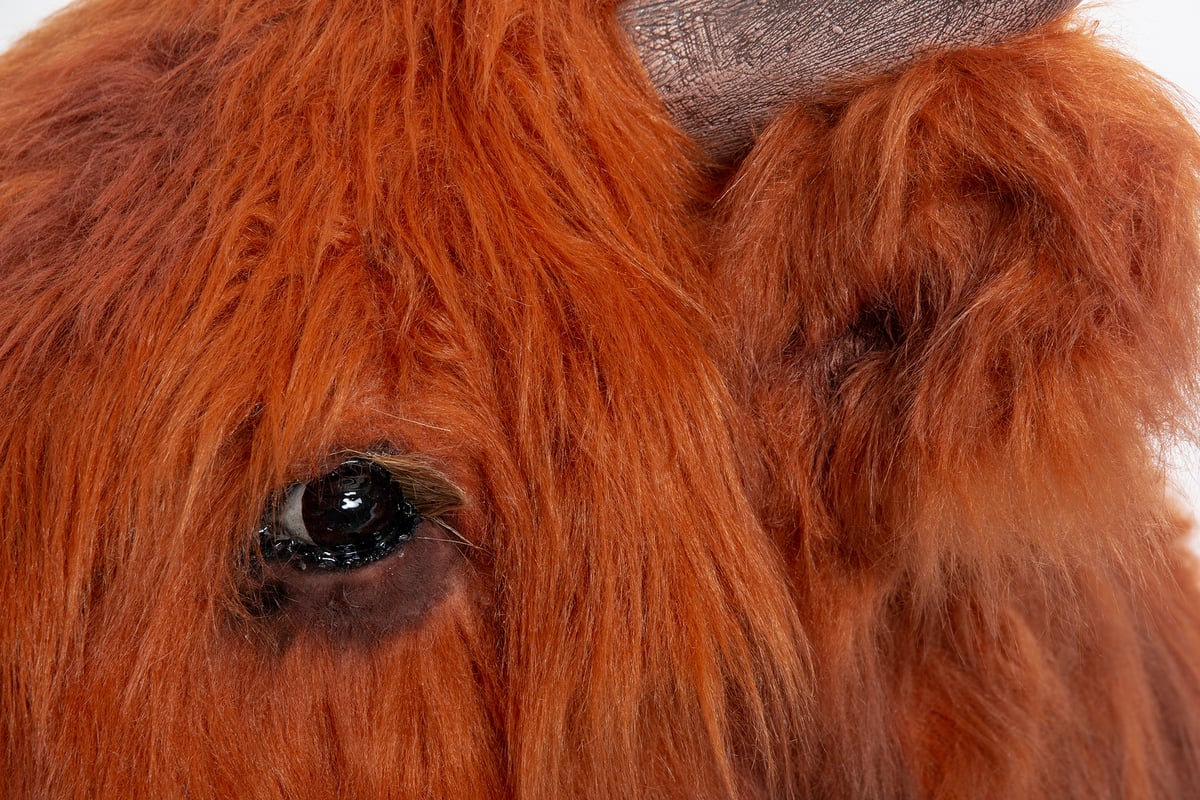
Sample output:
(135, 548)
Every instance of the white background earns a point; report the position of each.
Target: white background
(1162, 33)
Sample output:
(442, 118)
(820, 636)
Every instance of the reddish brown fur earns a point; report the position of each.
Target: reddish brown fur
(842, 487)
(964, 309)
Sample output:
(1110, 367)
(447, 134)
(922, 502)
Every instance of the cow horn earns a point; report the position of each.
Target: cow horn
(723, 68)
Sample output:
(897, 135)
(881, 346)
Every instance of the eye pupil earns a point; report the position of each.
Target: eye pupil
(356, 500)
(352, 516)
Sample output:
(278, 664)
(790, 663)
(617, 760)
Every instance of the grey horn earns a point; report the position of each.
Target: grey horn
(724, 68)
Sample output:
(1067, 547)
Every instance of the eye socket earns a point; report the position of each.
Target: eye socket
(353, 516)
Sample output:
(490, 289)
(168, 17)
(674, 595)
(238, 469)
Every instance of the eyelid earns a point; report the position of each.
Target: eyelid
(431, 493)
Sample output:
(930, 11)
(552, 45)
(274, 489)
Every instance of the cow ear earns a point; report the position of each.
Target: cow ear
(725, 68)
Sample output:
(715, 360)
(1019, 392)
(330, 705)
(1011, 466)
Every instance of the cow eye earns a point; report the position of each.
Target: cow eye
(353, 516)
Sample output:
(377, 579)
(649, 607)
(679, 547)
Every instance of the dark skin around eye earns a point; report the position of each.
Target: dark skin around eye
(723, 68)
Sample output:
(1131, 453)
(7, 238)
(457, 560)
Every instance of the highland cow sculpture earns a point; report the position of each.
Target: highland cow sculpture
(397, 404)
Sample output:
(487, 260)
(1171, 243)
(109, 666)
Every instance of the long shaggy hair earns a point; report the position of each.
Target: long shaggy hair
(833, 477)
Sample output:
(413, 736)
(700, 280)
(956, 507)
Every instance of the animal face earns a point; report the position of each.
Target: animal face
(395, 406)
(290, 239)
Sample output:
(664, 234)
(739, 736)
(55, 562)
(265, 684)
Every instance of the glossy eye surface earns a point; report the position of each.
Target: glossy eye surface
(353, 516)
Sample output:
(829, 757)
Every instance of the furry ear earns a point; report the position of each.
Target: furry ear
(962, 303)
(979, 272)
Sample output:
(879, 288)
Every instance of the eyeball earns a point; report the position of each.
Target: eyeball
(353, 516)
